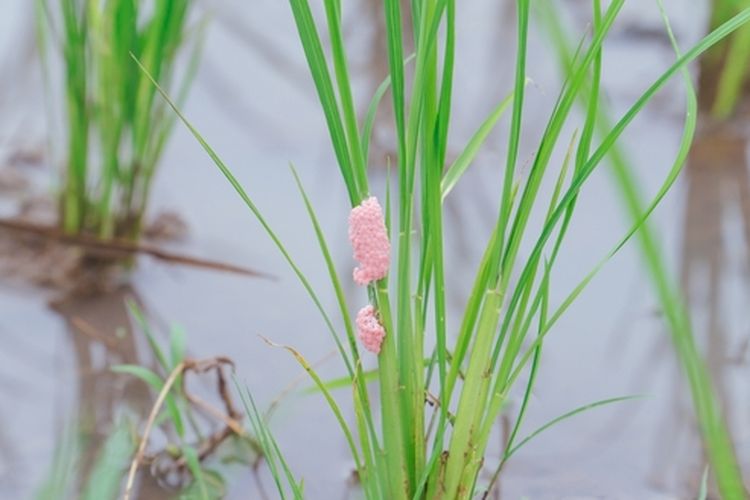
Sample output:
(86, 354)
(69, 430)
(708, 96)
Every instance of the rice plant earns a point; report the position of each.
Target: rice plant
(441, 391)
(729, 61)
(114, 130)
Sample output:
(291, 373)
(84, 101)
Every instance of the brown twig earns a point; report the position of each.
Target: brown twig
(231, 419)
(124, 247)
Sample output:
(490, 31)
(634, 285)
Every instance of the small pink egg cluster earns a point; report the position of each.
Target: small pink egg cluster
(369, 239)
(369, 329)
(372, 250)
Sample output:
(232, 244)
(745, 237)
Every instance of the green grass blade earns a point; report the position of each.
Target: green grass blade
(372, 110)
(515, 127)
(141, 372)
(358, 161)
(566, 416)
(59, 480)
(316, 61)
(734, 72)
(177, 346)
(259, 216)
(274, 458)
(331, 267)
(140, 319)
(110, 465)
(464, 160)
(328, 397)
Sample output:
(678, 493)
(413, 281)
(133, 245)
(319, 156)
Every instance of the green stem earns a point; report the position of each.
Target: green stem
(390, 388)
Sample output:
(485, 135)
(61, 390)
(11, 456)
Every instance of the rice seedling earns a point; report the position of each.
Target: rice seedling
(115, 130)
(441, 392)
(179, 413)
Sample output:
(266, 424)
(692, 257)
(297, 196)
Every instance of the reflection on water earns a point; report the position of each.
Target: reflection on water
(610, 344)
(101, 336)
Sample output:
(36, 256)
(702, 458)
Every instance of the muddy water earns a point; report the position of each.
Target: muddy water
(255, 105)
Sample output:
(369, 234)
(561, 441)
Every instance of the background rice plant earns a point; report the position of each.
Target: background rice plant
(437, 450)
(193, 457)
(114, 131)
(728, 60)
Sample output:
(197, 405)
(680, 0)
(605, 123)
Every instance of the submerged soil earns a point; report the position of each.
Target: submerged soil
(54, 375)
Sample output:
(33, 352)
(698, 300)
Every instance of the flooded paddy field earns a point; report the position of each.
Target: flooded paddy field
(254, 103)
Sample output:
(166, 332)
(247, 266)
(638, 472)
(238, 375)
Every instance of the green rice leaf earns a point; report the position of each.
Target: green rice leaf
(110, 465)
(566, 416)
(464, 160)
